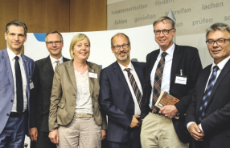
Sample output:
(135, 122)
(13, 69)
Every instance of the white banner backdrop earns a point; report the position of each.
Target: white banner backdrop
(142, 42)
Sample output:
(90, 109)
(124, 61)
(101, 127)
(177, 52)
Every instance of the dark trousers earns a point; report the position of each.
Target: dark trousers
(13, 134)
(43, 141)
(133, 142)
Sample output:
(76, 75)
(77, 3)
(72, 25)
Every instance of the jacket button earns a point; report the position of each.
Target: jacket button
(11, 100)
(8, 114)
(93, 106)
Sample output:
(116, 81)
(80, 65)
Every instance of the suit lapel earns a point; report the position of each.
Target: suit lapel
(71, 73)
(175, 62)
(49, 67)
(152, 62)
(121, 77)
(219, 79)
(8, 68)
(202, 86)
(91, 80)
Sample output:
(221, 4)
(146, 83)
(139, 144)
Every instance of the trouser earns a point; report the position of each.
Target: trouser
(157, 131)
(13, 134)
(43, 141)
(133, 142)
(82, 132)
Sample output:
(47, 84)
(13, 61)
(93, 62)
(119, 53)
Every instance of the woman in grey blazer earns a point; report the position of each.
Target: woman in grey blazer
(75, 117)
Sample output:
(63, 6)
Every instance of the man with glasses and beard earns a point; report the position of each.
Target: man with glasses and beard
(121, 95)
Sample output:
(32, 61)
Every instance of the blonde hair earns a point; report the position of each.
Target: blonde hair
(74, 40)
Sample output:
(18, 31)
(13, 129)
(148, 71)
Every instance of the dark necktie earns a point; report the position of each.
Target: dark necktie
(19, 94)
(207, 93)
(157, 80)
(134, 86)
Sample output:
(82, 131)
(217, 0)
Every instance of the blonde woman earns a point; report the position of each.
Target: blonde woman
(75, 117)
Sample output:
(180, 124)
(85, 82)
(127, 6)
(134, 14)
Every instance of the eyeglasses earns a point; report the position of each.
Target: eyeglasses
(165, 32)
(124, 46)
(54, 42)
(218, 42)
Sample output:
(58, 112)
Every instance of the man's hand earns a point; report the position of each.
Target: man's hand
(54, 136)
(135, 122)
(33, 134)
(195, 132)
(169, 111)
(103, 134)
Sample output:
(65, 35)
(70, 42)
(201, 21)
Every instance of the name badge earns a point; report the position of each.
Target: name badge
(181, 80)
(31, 85)
(92, 75)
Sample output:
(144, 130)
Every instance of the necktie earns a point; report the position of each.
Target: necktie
(19, 94)
(134, 86)
(157, 80)
(207, 93)
(57, 62)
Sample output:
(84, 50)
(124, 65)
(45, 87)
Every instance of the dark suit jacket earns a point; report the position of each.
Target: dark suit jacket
(187, 59)
(216, 124)
(40, 104)
(116, 100)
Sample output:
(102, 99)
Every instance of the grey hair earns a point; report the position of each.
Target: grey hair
(53, 32)
(164, 18)
(218, 26)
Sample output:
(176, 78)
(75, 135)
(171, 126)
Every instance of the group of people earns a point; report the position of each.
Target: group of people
(64, 103)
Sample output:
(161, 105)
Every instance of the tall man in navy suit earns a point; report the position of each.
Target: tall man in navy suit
(208, 116)
(40, 96)
(173, 69)
(16, 71)
(121, 95)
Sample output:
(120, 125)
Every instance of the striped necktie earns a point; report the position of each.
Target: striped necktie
(134, 86)
(207, 93)
(157, 80)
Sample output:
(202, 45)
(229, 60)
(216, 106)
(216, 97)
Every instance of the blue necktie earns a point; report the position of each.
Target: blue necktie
(19, 94)
(207, 93)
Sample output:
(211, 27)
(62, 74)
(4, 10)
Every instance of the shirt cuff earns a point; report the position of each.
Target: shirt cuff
(201, 127)
(188, 124)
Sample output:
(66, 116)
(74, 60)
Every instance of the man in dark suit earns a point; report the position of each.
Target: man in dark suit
(121, 95)
(43, 80)
(173, 69)
(16, 73)
(208, 115)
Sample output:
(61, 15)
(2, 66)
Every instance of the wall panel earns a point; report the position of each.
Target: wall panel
(8, 12)
(88, 15)
(45, 15)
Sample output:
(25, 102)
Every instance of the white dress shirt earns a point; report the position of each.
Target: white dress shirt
(221, 66)
(54, 62)
(12, 55)
(137, 110)
(166, 76)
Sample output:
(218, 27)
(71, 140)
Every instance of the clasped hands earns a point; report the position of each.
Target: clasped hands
(195, 132)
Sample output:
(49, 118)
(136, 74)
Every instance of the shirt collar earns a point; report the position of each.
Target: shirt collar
(53, 60)
(130, 66)
(12, 55)
(221, 64)
(169, 51)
